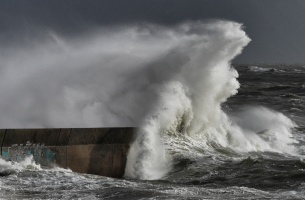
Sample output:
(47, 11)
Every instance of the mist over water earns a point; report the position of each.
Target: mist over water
(105, 79)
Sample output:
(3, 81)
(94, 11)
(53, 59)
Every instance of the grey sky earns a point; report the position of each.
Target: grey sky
(276, 27)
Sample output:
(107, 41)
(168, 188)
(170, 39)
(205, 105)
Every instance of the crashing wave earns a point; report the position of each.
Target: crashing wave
(11, 167)
(188, 109)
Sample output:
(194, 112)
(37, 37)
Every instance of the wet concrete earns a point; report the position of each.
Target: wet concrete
(100, 151)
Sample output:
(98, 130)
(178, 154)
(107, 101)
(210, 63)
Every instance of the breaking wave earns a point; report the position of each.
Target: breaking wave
(10, 167)
(187, 118)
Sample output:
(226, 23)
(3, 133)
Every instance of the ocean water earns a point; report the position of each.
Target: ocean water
(198, 172)
(207, 129)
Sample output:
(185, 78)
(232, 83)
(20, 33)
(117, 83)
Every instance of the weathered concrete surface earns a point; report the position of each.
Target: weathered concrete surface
(61, 157)
(100, 136)
(48, 137)
(100, 151)
(2, 134)
(63, 138)
(105, 159)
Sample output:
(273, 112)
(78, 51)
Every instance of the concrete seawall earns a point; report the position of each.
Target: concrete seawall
(100, 151)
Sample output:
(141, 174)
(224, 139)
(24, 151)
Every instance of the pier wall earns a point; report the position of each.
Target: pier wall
(100, 151)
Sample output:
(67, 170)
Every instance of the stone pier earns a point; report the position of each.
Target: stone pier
(100, 151)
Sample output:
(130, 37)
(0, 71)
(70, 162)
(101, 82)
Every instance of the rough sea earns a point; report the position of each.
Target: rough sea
(222, 174)
(207, 129)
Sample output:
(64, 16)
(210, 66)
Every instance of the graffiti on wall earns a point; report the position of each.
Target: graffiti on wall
(17, 152)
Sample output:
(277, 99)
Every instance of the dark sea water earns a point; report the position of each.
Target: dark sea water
(198, 172)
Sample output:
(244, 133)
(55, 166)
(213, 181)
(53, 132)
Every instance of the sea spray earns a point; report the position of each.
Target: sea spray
(10, 167)
(272, 127)
(207, 81)
(147, 158)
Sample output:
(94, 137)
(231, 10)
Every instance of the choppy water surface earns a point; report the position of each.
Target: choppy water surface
(200, 169)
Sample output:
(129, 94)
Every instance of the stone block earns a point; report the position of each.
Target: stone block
(118, 136)
(78, 157)
(102, 159)
(119, 158)
(2, 136)
(64, 136)
(60, 155)
(82, 136)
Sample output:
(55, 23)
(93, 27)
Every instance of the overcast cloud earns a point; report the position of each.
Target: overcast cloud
(276, 27)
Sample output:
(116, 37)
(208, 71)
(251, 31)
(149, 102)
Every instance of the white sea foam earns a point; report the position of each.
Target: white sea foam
(9, 167)
(192, 114)
(206, 80)
(259, 69)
